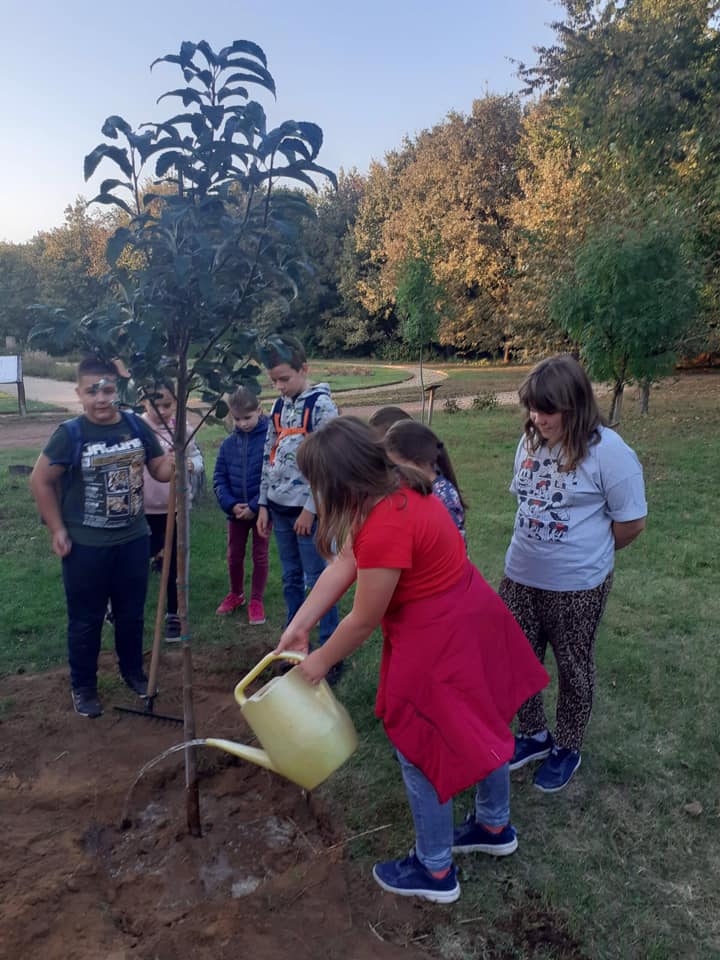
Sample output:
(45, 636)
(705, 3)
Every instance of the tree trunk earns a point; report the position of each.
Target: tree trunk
(422, 388)
(644, 397)
(615, 406)
(506, 353)
(192, 792)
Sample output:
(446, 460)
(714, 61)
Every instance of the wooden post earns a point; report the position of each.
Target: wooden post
(431, 390)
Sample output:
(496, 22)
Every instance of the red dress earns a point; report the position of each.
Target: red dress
(455, 664)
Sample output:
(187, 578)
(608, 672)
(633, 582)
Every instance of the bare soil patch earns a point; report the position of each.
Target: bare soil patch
(268, 879)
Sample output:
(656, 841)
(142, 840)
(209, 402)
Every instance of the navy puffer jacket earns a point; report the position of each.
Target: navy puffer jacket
(238, 468)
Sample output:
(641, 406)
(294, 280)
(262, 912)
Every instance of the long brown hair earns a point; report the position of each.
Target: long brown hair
(560, 385)
(348, 473)
(416, 442)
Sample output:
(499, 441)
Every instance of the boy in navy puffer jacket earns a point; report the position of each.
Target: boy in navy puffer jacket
(236, 482)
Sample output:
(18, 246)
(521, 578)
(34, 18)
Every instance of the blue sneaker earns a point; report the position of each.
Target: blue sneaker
(528, 749)
(409, 878)
(557, 771)
(472, 837)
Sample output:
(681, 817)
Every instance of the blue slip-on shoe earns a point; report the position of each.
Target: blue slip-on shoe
(557, 771)
(528, 749)
(409, 878)
(472, 837)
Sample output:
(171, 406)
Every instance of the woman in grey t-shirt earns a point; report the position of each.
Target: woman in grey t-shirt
(581, 497)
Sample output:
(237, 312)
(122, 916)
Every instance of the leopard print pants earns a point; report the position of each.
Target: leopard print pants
(569, 622)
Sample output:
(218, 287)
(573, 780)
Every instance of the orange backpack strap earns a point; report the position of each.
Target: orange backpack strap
(282, 432)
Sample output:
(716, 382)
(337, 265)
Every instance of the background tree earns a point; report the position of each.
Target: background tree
(631, 91)
(452, 184)
(191, 269)
(19, 287)
(422, 304)
(631, 299)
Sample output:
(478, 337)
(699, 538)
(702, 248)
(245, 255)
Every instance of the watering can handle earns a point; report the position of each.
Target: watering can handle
(259, 667)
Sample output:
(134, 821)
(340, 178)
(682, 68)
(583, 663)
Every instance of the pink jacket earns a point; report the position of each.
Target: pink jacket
(155, 492)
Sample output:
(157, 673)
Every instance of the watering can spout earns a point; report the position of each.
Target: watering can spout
(253, 754)
(304, 733)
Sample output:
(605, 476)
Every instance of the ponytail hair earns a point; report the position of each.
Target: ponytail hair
(348, 473)
(414, 441)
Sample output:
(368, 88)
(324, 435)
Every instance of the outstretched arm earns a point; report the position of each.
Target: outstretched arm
(332, 583)
(374, 592)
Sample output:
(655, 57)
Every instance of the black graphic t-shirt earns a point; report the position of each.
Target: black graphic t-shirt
(102, 496)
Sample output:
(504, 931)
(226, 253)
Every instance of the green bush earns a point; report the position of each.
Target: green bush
(38, 363)
(487, 400)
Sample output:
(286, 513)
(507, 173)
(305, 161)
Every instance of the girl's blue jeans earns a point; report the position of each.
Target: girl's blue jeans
(434, 820)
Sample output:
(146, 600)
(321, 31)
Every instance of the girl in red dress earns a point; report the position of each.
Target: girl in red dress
(455, 665)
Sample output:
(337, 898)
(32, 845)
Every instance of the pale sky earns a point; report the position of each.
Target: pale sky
(368, 73)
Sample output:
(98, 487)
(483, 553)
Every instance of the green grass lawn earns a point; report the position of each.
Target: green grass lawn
(617, 866)
(345, 375)
(9, 404)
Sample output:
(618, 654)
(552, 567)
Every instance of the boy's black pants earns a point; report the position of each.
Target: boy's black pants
(92, 576)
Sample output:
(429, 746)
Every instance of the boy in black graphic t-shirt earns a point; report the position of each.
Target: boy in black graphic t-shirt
(89, 489)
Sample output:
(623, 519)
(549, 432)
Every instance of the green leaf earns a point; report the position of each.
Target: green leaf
(112, 200)
(107, 185)
(187, 94)
(113, 124)
(209, 54)
(117, 154)
(256, 73)
(116, 244)
(170, 158)
(244, 46)
(229, 91)
(187, 52)
(214, 114)
(312, 134)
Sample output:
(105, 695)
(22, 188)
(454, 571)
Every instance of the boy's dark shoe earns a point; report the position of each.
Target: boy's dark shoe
(557, 771)
(172, 628)
(472, 837)
(410, 878)
(528, 749)
(138, 683)
(86, 703)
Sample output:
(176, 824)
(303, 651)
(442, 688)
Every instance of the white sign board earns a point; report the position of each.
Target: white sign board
(10, 370)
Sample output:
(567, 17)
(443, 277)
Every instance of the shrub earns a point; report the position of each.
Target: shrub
(487, 400)
(38, 363)
(450, 405)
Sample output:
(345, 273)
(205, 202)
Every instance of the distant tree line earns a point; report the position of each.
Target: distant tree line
(584, 215)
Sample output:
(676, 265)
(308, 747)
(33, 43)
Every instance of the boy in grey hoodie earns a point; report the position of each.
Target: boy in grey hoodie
(285, 500)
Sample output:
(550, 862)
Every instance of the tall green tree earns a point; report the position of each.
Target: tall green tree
(19, 287)
(192, 269)
(633, 90)
(422, 304)
(630, 301)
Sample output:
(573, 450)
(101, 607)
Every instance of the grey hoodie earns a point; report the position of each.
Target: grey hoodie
(282, 483)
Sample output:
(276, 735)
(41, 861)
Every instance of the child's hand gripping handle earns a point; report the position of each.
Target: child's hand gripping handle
(258, 669)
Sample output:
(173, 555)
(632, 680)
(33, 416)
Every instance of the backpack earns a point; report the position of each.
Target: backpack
(282, 432)
(75, 430)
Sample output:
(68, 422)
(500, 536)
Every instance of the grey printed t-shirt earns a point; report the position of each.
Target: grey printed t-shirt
(562, 539)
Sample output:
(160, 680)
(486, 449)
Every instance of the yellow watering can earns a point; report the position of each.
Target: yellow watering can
(305, 733)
